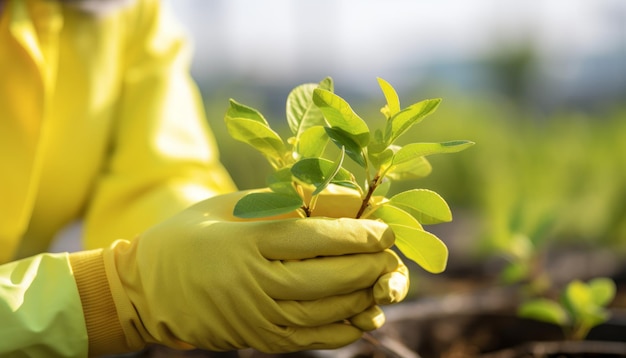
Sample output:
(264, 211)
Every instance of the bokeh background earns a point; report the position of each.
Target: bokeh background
(539, 85)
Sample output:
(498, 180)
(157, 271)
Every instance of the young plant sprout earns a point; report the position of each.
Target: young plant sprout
(317, 116)
(581, 307)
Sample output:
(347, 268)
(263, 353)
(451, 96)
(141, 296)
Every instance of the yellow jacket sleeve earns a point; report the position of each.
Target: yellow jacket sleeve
(163, 157)
(100, 120)
(40, 309)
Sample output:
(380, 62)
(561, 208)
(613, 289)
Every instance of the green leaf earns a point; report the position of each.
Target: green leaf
(417, 168)
(281, 181)
(410, 151)
(327, 84)
(312, 142)
(302, 113)
(406, 118)
(258, 135)
(424, 205)
(422, 247)
(409, 162)
(347, 183)
(391, 214)
(393, 102)
(258, 205)
(544, 310)
(342, 139)
(378, 144)
(585, 303)
(248, 125)
(602, 290)
(238, 110)
(381, 159)
(333, 173)
(339, 114)
(514, 272)
(520, 247)
(577, 297)
(315, 171)
(579, 300)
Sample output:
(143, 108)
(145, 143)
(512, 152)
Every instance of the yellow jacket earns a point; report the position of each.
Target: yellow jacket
(99, 120)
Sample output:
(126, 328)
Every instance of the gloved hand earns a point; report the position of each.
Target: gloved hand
(206, 279)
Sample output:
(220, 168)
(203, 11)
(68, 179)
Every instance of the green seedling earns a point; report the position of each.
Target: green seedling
(317, 116)
(581, 307)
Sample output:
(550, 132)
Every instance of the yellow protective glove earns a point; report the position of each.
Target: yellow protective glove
(206, 279)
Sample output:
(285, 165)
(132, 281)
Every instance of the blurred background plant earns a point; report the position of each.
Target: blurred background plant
(539, 86)
(577, 309)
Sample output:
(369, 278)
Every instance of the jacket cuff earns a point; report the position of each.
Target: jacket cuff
(104, 330)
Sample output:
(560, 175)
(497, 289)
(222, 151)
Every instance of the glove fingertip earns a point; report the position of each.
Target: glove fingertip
(392, 287)
(369, 320)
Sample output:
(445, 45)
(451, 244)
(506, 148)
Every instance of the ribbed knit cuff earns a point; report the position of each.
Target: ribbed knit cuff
(103, 326)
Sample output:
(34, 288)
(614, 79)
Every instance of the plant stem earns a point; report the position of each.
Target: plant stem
(368, 196)
(312, 204)
(305, 209)
(579, 332)
(367, 166)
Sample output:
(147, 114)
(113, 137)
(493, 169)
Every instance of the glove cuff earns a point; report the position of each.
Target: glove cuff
(104, 330)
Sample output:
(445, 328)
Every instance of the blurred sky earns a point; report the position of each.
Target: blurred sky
(578, 46)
